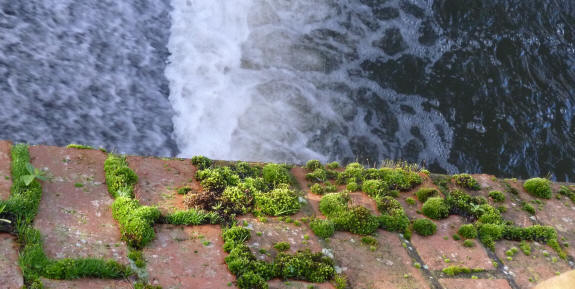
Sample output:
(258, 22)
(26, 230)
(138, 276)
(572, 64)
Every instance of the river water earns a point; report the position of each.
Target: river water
(476, 86)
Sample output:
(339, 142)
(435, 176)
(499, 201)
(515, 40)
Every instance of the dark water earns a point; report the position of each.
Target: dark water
(89, 72)
(477, 86)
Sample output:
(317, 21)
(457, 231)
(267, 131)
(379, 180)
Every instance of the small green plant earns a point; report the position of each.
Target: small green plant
(525, 247)
(369, 240)
(278, 202)
(425, 193)
(138, 258)
(466, 181)
(468, 243)
(340, 281)
(456, 237)
(424, 227)
(184, 190)
(2, 208)
(568, 191)
(410, 201)
(511, 252)
(538, 187)
(201, 162)
(435, 208)
(467, 231)
(282, 246)
(529, 208)
(456, 269)
(317, 176)
(322, 228)
(313, 165)
(317, 189)
(497, 196)
(33, 174)
(79, 146)
(353, 187)
(333, 165)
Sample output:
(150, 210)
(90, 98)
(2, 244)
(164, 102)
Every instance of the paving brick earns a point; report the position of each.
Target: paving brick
(386, 267)
(474, 284)
(435, 249)
(159, 179)
(10, 274)
(5, 175)
(74, 216)
(188, 257)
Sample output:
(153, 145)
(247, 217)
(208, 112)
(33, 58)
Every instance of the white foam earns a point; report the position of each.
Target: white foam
(255, 80)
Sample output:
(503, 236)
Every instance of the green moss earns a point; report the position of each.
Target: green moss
(374, 188)
(525, 247)
(312, 267)
(333, 165)
(67, 269)
(497, 196)
(340, 281)
(79, 146)
(238, 200)
(192, 217)
(353, 173)
(424, 227)
(184, 190)
(468, 243)
(489, 233)
(456, 269)
(332, 203)
(357, 220)
(317, 176)
(138, 257)
(528, 208)
(393, 217)
(275, 174)
(466, 181)
(353, 187)
(201, 162)
(322, 228)
(317, 189)
(120, 179)
(435, 208)
(282, 246)
(538, 187)
(425, 193)
(369, 240)
(217, 179)
(136, 222)
(278, 202)
(568, 191)
(467, 231)
(313, 165)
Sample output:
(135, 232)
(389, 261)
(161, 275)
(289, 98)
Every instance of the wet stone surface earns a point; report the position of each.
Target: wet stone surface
(10, 274)
(159, 180)
(265, 235)
(440, 250)
(188, 257)
(387, 265)
(541, 264)
(5, 175)
(474, 284)
(74, 216)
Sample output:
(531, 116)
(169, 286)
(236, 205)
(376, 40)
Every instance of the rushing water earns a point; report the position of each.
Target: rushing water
(457, 85)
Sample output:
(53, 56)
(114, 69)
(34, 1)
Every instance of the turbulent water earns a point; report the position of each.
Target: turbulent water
(479, 86)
